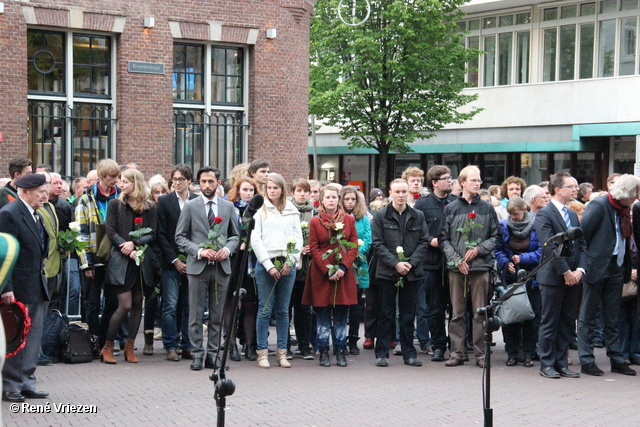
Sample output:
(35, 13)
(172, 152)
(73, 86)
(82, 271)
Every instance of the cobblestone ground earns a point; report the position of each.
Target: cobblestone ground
(156, 392)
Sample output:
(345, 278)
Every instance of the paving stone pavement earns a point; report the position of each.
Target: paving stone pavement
(156, 392)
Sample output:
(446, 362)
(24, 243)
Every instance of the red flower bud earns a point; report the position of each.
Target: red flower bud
(472, 215)
(137, 221)
(316, 204)
(217, 219)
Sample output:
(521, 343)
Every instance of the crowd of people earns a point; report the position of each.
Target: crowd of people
(414, 266)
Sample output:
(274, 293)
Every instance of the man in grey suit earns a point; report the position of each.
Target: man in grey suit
(208, 270)
(607, 230)
(558, 280)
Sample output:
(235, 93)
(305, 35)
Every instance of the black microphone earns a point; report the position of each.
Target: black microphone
(254, 204)
(574, 233)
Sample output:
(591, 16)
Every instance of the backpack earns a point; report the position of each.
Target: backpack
(53, 334)
(78, 346)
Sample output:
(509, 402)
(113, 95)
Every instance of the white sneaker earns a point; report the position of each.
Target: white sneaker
(398, 350)
(157, 334)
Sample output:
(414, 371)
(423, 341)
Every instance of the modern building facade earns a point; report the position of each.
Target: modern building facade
(155, 82)
(557, 84)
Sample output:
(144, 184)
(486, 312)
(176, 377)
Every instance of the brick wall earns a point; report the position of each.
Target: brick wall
(278, 73)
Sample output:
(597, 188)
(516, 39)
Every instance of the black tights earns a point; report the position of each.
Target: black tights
(128, 302)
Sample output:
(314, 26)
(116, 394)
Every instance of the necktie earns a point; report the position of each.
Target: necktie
(210, 215)
(40, 227)
(565, 214)
(621, 242)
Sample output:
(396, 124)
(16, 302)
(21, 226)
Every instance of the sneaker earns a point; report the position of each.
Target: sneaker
(397, 351)
(289, 355)
(306, 354)
(157, 334)
(116, 348)
(426, 350)
(368, 343)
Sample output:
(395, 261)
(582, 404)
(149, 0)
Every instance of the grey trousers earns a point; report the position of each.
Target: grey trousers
(478, 285)
(203, 294)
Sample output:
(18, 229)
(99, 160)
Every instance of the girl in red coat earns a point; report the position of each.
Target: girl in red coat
(331, 285)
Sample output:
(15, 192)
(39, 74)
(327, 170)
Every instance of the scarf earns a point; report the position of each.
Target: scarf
(329, 221)
(626, 228)
(521, 229)
(306, 207)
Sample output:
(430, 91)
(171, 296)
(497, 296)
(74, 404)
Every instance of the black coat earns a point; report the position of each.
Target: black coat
(432, 207)
(549, 222)
(27, 281)
(168, 215)
(388, 232)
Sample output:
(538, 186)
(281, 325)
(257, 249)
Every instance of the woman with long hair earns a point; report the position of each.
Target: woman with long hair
(520, 249)
(131, 211)
(331, 285)
(240, 194)
(277, 242)
(352, 201)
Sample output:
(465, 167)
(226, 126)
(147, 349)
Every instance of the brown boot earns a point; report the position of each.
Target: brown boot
(129, 355)
(106, 355)
(148, 343)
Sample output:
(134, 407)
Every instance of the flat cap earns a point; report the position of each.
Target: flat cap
(31, 180)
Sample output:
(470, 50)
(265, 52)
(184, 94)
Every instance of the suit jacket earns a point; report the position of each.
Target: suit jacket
(168, 215)
(550, 222)
(599, 226)
(193, 229)
(27, 281)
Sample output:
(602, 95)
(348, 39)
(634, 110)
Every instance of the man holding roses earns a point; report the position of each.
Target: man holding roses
(208, 269)
(469, 236)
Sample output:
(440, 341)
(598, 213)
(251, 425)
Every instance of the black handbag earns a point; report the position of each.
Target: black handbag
(78, 346)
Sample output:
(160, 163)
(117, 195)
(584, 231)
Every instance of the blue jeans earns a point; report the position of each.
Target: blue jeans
(323, 318)
(175, 290)
(272, 294)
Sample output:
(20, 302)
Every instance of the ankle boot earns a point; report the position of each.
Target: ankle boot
(250, 352)
(341, 359)
(263, 358)
(325, 359)
(233, 353)
(282, 358)
(129, 355)
(106, 355)
(148, 343)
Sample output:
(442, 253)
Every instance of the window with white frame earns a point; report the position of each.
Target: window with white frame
(70, 79)
(506, 41)
(209, 98)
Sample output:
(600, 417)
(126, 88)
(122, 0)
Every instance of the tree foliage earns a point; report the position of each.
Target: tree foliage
(395, 78)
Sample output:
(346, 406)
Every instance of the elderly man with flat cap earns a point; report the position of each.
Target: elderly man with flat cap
(26, 284)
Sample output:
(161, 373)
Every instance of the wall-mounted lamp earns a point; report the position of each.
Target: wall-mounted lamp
(149, 22)
(272, 33)
(1, 7)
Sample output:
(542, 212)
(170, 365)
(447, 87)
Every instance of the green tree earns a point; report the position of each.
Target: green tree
(395, 78)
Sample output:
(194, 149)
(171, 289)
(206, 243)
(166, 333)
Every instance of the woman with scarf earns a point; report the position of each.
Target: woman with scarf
(331, 285)
(352, 201)
(240, 194)
(520, 249)
(277, 242)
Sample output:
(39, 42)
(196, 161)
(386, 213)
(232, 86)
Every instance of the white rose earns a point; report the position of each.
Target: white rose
(292, 240)
(339, 226)
(304, 224)
(399, 250)
(360, 242)
(75, 226)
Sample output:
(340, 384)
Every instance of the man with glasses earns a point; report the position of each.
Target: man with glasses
(468, 268)
(175, 286)
(558, 279)
(433, 292)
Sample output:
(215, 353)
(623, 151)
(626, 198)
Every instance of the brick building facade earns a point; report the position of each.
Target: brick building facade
(81, 80)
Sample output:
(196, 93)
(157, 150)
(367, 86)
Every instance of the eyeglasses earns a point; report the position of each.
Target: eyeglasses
(181, 179)
(475, 181)
(448, 179)
(569, 186)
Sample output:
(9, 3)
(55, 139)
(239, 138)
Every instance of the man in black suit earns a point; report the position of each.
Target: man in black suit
(26, 284)
(175, 286)
(558, 280)
(607, 230)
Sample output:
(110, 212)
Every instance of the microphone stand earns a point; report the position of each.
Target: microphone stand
(492, 323)
(223, 386)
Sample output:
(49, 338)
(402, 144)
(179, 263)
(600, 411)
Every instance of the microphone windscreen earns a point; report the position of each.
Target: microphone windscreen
(574, 233)
(256, 202)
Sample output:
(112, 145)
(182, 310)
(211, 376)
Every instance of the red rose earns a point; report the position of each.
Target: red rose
(217, 219)
(472, 215)
(137, 221)
(316, 204)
